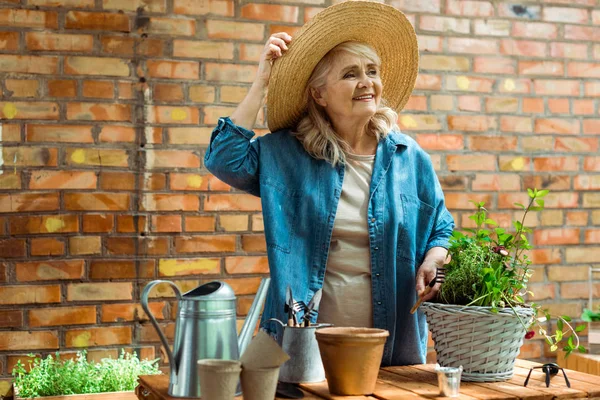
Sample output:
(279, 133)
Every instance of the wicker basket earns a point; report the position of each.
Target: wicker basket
(486, 344)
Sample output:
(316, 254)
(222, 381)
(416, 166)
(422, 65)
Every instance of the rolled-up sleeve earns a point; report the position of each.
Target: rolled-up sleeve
(232, 156)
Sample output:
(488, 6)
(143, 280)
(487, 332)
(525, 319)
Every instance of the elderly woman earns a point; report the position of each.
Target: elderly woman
(350, 204)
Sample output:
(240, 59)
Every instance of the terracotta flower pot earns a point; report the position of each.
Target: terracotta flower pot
(351, 357)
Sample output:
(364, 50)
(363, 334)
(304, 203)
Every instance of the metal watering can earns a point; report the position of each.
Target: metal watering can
(205, 328)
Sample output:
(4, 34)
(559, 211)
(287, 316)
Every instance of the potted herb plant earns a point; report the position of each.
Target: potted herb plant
(64, 379)
(481, 317)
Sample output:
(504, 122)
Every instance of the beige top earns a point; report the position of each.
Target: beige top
(347, 299)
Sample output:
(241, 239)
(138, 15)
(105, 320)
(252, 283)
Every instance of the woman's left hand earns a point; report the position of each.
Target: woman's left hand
(434, 259)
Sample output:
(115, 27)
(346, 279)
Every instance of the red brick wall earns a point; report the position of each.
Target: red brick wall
(107, 107)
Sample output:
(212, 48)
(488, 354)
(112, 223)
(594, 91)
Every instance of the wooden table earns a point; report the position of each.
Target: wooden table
(420, 382)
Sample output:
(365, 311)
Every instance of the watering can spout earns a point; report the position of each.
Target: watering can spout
(252, 318)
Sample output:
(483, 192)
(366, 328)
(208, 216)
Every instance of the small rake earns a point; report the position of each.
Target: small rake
(440, 277)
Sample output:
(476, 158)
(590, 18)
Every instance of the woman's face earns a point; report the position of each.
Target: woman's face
(352, 89)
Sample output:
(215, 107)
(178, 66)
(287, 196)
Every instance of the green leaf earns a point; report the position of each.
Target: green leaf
(553, 347)
(540, 202)
(566, 318)
(542, 193)
(559, 324)
(559, 335)
(570, 341)
(580, 328)
(581, 349)
(531, 193)
(520, 205)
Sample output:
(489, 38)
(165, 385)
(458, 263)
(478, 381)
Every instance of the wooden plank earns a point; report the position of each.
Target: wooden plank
(575, 377)
(423, 388)
(386, 391)
(322, 390)
(503, 387)
(557, 387)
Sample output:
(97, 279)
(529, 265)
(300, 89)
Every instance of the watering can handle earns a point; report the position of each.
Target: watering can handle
(163, 339)
(280, 328)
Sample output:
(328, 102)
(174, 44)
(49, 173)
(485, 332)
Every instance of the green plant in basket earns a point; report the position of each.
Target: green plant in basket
(489, 267)
(53, 376)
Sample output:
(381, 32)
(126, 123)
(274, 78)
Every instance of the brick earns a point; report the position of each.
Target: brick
(235, 30)
(524, 48)
(291, 30)
(591, 200)
(246, 265)
(541, 68)
(577, 218)
(270, 12)
(153, 6)
(563, 14)
(46, 41)
(551, 182)
(428, 82)
(582, 33)
(592, 236)
(63, 3)
(62, 180)
(132, 312)
(199, 223)
(501, 104)
(112, 269)
(193, 7)
(153, 181)
(576, 145)
(97, 21)
(558, 236)
(470, 8)
(29, 110)
(494, 183)
(581, 254)
(444, 63)
(430, 43)
(583, 107)
(117, 134)
(510, 85)
(25, 294)
(471, 123)
(471, 162)
(96, 223)
(556, 87)
(310, 12)
(11, 318)
(232, 202)
(62, 88)
(533, 105)
(97, 157)
(195, 135)
(117, 181)
(123, 246)
(10, 248)
(170, 202)
(230, 72)
(469, 103)
(568, 50)
(15, 340)
(29, 202)
(47, 247)
(562, 200)
(250, 52)
(492, 27)
(173, 115)
(510, 163)
(98, 112)
(568, 273)
(104, 336)
(123, 46)
(104, 66)
(536, 30)
(98, 89)
(254, 243)
(202, 49)
(213, 113)
(587, 182)
(166, 223)
(126, 90)
(96, 201)
(171, 26)
(11, 132)
(171, 159)
(12, 181)
(202, 94)
(591, 164)
(36, 224)
(552, 217)
(22, 87)
(494, 65)
(578, 290)
(9, 41)
(592, 89)
(110, 291)
(595, 217)
(49, 270)
(555, 125)
(167, 92)
(28, 18)
(131, 223)
(59, 133)
(597, 51)
(558, 106)
(419, 122)
(472, 46)
(257, 223)
(85, 245)
(556, 164)
(469, 83)
(155, 246)
(416, 103)
(493, 143)
(62, 316)
(583, 70)
(441, 102)
(188, 266)
(443, 24)
(205, 244)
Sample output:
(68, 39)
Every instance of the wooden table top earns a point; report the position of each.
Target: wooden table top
(420, 382)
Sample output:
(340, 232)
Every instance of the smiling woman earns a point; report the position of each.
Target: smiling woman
(350, 204)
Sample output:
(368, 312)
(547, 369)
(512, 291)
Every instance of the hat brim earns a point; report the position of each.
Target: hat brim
(382, 27)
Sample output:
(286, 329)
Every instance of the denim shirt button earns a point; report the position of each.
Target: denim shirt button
(377, 274)
(373, 219)
(376, 248)
(379, 303)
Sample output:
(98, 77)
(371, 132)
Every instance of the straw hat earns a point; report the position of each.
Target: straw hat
(381, 26)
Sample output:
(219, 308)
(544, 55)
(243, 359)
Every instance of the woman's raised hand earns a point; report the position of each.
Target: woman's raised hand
(274, 48)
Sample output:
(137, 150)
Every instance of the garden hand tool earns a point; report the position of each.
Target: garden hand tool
(440, 276)
(313, 306)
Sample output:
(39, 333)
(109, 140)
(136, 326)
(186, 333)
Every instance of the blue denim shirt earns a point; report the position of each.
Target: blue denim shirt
(299, 195)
